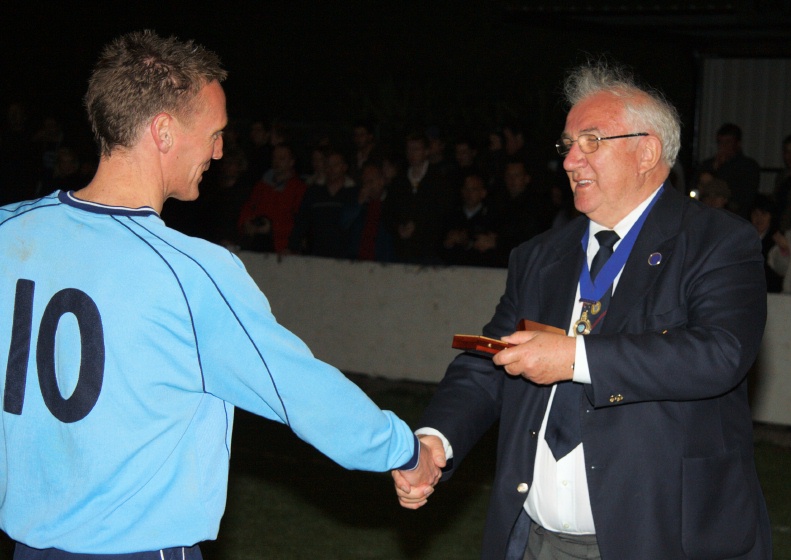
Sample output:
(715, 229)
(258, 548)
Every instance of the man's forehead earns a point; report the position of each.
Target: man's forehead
(594, 114)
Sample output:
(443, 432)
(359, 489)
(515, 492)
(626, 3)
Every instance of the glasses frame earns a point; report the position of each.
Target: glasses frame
(564, 150)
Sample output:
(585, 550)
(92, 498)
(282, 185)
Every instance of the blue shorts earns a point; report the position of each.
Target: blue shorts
(23, 552)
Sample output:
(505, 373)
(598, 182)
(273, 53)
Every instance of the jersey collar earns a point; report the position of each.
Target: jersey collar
(69, 199)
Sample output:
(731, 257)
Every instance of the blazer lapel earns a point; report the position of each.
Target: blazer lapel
(655, 242)
(558, 286)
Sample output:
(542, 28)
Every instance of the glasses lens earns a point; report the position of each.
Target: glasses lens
(588, 143)
(563, 146)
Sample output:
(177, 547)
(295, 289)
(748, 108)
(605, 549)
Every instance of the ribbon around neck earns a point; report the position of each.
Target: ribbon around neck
(592, 291)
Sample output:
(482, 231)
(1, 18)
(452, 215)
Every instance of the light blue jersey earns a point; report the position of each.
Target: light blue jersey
(124, 347)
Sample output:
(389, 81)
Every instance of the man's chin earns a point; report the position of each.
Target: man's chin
(188, 196)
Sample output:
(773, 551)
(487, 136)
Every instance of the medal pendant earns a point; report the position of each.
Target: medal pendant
(583, 325)
(595, 308)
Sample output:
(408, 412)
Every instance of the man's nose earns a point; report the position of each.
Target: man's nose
(217, 154)
(574, 159)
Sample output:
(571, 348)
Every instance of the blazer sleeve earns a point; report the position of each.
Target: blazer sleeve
(698, 330)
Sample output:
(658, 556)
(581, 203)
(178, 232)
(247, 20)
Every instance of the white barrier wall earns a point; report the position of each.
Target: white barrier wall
(394, 321)
(398, 321)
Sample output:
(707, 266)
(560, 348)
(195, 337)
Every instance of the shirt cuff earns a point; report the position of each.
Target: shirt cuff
(445, 443)
(581, 372)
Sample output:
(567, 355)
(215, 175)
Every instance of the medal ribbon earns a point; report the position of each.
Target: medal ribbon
(592, 291)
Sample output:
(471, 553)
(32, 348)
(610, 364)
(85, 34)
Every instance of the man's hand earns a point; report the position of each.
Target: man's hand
(543, 358)
(414, 487)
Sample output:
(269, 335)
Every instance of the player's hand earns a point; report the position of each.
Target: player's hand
(414, 487)
(542, 357)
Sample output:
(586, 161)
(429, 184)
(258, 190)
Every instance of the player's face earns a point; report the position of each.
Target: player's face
(416, 152)
(605, 183)
(197, 142)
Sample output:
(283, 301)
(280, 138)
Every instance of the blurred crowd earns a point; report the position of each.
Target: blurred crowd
(431, 197)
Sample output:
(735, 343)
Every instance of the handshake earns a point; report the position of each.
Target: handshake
(414, 487)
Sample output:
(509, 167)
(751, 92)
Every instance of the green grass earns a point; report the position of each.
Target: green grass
(285, 500)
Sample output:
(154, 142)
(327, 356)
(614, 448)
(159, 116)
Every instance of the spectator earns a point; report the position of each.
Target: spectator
(364, 139)
(465, 161)
(318, 165)
(418, 203)
(46, 141)
(741, 173)
(515, 141)
(779, 258)
(764, 221)
(259, 151)
(783, 186)
(318, 226)
(469, 236)
(223, 193)
(520, 211)
(437, 158)
(369, 238)
(714, 192)
(493, 160)
(266, 219)
(66, 174)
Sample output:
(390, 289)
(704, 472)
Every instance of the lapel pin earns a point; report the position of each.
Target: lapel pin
(654, 259)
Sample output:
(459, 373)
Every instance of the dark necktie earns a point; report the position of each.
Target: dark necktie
(563, 431)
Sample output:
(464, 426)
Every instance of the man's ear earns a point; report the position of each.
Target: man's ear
(650, 153)
(162, 132)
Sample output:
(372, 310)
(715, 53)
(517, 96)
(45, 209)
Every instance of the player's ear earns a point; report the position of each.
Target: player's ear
(162, 132)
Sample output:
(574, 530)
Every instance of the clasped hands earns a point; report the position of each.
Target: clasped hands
(541, 357)
(414, 487)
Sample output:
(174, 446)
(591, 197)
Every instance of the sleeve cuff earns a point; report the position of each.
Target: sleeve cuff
(413, 462)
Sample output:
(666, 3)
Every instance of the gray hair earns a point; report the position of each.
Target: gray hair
(139, 75)
(644, 107)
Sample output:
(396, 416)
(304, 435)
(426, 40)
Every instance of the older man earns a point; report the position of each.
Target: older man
(631, 437)
(128, 344)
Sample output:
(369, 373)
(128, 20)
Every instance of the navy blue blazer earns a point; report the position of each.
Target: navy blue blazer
(666, 425)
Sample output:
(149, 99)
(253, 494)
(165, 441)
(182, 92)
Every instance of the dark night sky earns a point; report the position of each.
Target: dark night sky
(456, 64)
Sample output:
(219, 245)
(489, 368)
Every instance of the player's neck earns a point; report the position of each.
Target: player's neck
(121, 181)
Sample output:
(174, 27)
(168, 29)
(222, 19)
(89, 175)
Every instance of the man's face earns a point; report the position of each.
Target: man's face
(258, 134)
(516, 178)
(727, 147)
(196, 143)
(336, 168)
(282, 161)
(606, 183)
(513, 141)
(761, 219)
(362, 138)
(465, 155)
(473, 191)
(372, 183)
(416, 152)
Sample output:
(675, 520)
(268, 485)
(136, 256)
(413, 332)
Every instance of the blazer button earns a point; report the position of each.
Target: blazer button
(533, 434)
(612, 398)
(522, 488)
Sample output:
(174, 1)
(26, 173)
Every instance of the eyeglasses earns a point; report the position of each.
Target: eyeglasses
(588, 143)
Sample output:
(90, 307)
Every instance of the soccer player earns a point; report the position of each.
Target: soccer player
(127, 345)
